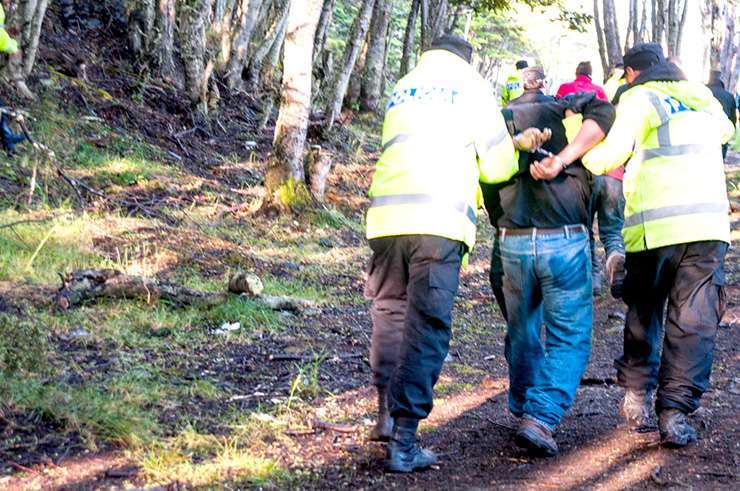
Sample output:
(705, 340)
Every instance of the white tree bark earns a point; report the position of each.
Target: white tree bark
(24, 17)
(248, 12)
(372, 80)
(351, 52)
(165, 55)
(194, 23)
(286, 163)
(275, 36)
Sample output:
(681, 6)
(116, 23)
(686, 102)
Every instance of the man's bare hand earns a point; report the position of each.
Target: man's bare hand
(532, 138)
(546, 169)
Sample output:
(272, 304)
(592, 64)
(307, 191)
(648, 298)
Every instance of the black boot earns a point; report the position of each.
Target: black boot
(381, 432)
(403, 454)
(675, 430)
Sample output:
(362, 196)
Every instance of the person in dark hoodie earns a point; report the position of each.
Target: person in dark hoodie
(676, 234)
(725, 98)
(541, 265)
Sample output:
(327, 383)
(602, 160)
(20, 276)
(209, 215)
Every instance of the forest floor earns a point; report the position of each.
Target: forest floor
(125, 393)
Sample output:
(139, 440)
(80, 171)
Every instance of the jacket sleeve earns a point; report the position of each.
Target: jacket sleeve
(497, 158)
(7, 44)
(632, 117)
(726, 128)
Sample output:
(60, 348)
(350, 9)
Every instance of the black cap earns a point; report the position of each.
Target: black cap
(521, 64)
(454, 44)
(644, 55)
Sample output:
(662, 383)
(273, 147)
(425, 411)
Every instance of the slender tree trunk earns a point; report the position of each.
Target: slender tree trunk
(248, 12)
(141, 22)
(611, 34)
(659, 20)
(600, 39)
(223, 13)
(166, 23)
(676, 19)
(643, 24)
(351, 52)
(25, 18)
(727, 55)
(434, 15)
(322, 31)
(372, 81)
(285, 176)
(274, 36)
(194, 21)
(352, 96)
(408, 38)
(270, 68)
(735, 73)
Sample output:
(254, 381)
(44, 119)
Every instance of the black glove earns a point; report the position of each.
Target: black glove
(576, 102)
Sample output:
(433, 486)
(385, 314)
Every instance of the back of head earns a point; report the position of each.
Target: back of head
(521, 64)
(533, 78)
(715, 77)
(643, 56)
(584, 68)
(454, 44)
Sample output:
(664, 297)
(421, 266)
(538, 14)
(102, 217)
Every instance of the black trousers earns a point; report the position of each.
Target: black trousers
(412, 281)
(689, 277)
(496, 276)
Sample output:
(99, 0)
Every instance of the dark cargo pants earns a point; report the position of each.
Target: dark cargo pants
(412, 281)
(690, 278)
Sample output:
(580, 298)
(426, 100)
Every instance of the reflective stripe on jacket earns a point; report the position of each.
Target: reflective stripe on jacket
(674, 184)
(443, 133)
(7, 43)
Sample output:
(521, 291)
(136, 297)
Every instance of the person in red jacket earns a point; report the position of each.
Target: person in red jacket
(607, 202)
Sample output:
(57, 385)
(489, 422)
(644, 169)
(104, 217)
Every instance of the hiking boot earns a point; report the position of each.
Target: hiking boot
(616, 273)
(635, 408)
(403, 454)
(381, 432)
(675, 430)
(536, 438)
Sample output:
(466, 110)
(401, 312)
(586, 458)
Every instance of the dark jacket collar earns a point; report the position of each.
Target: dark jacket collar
(662, 72)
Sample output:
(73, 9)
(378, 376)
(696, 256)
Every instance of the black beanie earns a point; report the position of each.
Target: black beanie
(521, 64)
(644, 55)
(454, 44)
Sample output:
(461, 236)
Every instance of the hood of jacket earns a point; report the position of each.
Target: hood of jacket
(670, 80)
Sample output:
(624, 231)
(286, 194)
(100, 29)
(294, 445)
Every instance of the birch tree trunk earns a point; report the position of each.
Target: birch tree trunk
(727, 54)
(611, 34)
(659, 20)
(194, 21)
(372, 81)
(275, 36)
(165, 51)
(221, 30)
(24, 17)
(248, 12)
(351, 52)
(408, 38)
(285, 178)
(676, 20)
(141, 22)
(600, 39)
(322, 30)
(434, 17)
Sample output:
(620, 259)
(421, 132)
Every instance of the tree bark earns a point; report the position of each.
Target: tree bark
(676, 20)
(24, 17)
(166, 23)
(194, 22)
(372, 81)
(611, 34)
(434, 16)
(285, 178)
(351, 52)
(408, 38)
(600, 39)
(275, 36)
(223, 13)
(141, 22)
(727, 54)
(322, 30)
(248, 12)
(659, 20)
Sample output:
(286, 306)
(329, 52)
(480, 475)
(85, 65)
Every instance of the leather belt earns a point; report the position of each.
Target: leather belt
(565, 231)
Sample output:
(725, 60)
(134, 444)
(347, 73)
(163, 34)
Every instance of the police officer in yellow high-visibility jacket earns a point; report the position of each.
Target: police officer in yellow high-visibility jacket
(513, 87)
(676, 233)
(443, 132)
(7, 43)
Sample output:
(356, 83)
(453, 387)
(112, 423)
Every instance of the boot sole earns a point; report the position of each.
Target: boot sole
(523, 442)
(405, 470)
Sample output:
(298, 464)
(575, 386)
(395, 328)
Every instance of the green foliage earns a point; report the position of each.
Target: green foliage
(23, 346)
(499, 35)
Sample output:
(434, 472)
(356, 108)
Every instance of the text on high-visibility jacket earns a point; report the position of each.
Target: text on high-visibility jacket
(443, 133)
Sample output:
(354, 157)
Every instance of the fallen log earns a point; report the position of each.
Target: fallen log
(88, 285)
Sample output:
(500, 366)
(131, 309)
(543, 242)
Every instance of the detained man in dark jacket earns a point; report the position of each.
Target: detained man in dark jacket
(725, 98)
(544, 255)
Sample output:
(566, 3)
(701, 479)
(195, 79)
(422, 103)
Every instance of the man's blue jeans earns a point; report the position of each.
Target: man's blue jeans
(607, 201)
(547, 278)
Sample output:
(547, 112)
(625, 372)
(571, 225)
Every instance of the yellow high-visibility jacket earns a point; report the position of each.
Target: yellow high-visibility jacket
(614, 82)
(674, 183)
(513, 88)
(7, 43)
(443, 132)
